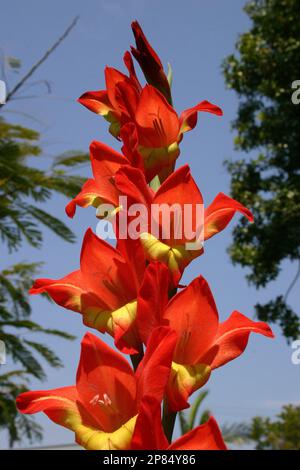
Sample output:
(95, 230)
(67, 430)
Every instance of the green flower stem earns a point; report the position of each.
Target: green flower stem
(168, 421)
(136, 358)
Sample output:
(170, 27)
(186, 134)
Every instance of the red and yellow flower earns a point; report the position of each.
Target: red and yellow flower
(129, 291)
(203, 343)
(104, 289)
(103, 408)
(178, 192)
(111, 103)
(100, 189)
(159, 128)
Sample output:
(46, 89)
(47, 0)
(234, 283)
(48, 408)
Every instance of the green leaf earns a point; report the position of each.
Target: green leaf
(52, 223)
(195, 407)
(71, 159)
(184, 425)
(46, 352)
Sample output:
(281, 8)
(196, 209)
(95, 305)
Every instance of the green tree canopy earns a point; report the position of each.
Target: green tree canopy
(268, 129)
(234, 433)
(282, 433)
(23, 189)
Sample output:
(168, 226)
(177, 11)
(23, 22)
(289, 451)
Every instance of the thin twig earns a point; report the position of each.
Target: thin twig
(41, 60)
(293, 282)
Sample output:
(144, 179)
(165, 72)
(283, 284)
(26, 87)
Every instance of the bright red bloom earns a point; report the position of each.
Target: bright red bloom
(203, 343)
(101, 189)
(103, 407)
(104, 289)
(115, 107)
(160, 129)
(177, 192)
(105, 162)
(151, 436)
(150, 62)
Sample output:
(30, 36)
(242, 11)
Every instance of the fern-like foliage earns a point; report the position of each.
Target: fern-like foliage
(23, 186)
(23, 189)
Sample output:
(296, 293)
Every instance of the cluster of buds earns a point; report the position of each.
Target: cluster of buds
(132, 291)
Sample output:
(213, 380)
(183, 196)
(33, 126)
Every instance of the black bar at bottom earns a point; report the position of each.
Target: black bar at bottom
(136, 459)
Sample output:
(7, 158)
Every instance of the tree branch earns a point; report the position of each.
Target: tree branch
(41, 60)
(293, 282)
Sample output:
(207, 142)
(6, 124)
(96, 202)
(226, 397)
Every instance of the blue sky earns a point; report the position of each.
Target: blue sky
(194, 36)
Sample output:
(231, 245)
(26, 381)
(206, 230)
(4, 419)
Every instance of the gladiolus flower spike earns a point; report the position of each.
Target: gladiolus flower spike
(131, 290)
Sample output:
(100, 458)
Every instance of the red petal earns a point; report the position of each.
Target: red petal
(188, 118)
(105, 161)
(69, 292)
(149, 62)
(148, 432)
(96, 101)
(134, 256)
(93, 194)
(101, 190)
(102, 268)
(112, 78)
(205, 437)
(102, 283)
(143, 45)
(129, 137)
(232, 338)
(181, 190)
(157, 121)
(58, 404)
(193, 314)
(132, 183)
(153, 371)
(106, 375)
(152, 299)
(220, 212)
(130, 67)
(127, 98)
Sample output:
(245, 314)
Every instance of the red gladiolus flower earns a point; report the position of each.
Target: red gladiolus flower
(105, 162)
(115, 107)
(160, 129)
(130, 292)
(179, 191)
(104, 289)
(103, 407)
(151, 436)
(150, 62)
(203, 343)
(101, 189)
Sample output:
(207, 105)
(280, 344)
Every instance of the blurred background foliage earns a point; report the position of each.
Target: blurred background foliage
(266, 178)
(281, 433)
(24, 189)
